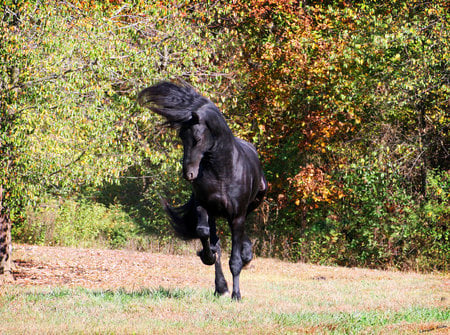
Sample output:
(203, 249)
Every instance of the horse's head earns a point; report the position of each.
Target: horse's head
(199, 120)
(197, 140)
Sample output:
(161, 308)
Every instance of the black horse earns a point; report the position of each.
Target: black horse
(225, 173)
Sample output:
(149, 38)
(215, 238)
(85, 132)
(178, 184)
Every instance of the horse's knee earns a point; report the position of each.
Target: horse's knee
(246, 253)
(202, 231)
(236, 265)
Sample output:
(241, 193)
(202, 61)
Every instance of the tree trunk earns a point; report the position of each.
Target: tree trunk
(5, 239)
(423, 147)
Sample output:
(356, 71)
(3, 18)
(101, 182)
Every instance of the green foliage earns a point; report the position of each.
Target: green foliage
(70, 73)
(377, 223)
(347, 105)
(77, 104)
(73, 223)
(382, 224)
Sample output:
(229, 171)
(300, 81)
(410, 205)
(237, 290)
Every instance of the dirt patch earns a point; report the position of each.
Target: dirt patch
(106, 269)
(323, 287)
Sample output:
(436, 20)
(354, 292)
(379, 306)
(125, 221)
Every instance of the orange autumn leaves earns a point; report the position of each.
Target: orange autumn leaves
(288, 64)
(314, 186)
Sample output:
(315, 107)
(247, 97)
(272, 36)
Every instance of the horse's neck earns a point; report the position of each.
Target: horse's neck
(222, 157)
(223, 152)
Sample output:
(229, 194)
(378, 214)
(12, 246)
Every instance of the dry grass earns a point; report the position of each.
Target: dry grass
(67, 290)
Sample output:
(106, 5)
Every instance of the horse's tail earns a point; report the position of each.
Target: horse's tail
(183, 219)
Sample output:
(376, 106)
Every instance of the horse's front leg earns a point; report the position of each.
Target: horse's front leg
(241, 253)
(220, 282)
(203, 231)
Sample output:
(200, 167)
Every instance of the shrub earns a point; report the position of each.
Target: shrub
(76, 223)
(377, 224)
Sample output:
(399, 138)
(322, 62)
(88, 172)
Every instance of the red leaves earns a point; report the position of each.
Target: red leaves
(320, 128)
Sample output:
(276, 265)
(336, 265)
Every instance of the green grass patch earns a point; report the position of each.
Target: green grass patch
(154, 294)
(119, 296)
(167, 310)
(357, 322)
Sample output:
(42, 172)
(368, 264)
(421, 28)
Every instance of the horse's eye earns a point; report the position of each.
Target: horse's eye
(197, 136)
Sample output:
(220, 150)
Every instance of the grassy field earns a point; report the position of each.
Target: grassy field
(67, 290)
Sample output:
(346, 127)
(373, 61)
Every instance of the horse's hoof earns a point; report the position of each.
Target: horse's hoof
(236, 296)
(207, 259)
(222, 294)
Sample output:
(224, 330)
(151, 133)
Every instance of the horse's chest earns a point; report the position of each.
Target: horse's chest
(214, 199)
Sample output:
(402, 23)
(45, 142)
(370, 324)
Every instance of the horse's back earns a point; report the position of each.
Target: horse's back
(251, 157)
(246, 145)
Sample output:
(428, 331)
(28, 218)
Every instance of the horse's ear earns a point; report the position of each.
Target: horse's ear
(195, 118)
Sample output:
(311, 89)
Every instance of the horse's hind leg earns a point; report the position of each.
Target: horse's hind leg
(203, 231)
(239, 249)
(246, 252)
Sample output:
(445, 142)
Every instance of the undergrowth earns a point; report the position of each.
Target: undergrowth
(88, 224)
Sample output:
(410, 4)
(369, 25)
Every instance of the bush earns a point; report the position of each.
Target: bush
(76, 223)
(376, 224)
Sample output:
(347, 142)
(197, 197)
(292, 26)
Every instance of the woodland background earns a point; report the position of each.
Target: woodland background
(347, 103)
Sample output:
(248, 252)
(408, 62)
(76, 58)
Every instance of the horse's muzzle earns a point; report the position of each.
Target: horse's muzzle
(190, 176)
(190, 172)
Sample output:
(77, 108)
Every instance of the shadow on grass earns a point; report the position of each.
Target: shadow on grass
(147, 293)
(159, 293)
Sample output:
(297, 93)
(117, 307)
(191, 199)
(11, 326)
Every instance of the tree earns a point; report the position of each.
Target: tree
(346, 103)
(400, 59)
(327, 87)
(69, 119)
(8, 88)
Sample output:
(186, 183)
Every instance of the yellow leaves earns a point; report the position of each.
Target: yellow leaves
(262, 129)
(313, 184)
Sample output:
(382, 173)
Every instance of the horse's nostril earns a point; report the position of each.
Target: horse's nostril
(190, 176)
